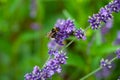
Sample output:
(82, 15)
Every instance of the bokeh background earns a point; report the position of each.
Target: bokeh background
(24, 25)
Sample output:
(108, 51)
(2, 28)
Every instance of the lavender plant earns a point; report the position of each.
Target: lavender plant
(104, 14)
(56, 57)
(105, 29)
(117, 40)
(66, 28)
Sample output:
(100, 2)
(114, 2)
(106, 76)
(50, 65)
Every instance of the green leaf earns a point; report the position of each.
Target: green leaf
(75, 60)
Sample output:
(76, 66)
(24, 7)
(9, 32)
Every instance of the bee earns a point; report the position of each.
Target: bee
(53, 32)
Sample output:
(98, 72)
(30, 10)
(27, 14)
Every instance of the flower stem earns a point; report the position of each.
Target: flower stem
(67, 45)
(93, 72)
(61, 50)
(87, 28)
(113, 59)
(46, 62)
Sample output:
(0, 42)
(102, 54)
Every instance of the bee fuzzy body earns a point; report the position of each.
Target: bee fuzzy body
(53, 32)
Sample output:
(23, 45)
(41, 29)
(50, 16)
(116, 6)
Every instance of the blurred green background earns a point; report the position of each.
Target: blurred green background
(24, 25)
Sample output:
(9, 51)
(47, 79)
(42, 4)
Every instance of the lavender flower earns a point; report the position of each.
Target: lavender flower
(105, 29)
(35, 75)
(114, 6)
(117, 41)
(80, 34)
(118, 35)
(53, 52)
(103, 73)
(28, 76)
(61, 58)
(66, 28)
(118, 53)
(60, 37)
(51, 67)
(60, 23)
(53, 45)
(94, 21)
(105, 63)
(109, 24)
(104, 14)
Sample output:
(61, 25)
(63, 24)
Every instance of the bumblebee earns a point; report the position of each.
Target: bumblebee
(53, 32)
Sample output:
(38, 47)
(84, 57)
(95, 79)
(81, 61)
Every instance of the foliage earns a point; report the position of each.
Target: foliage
(24, 25)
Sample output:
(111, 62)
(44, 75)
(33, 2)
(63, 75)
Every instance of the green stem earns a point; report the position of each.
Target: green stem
(68, 44)
(93, 72)
(87, 28)
(46, 62)
(61, 50)
(113, 59)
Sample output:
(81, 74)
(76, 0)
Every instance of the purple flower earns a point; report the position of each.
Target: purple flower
(105, 29)
(104, 14)
(36, 70)
(118, 53)
(51, 67)
(61, 58)
(105, 63)
(35, 75)
(66, 28)
(28, 76)
(109, 24)
(60, 37)
(69, 27)
(60, 23)
(118, 35)
(103, 73)
(80, 34)
(54, 65)
(114, 6)
(117, 41)
(95, 21)
(52, 44)
(53, 52)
